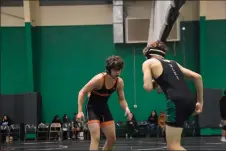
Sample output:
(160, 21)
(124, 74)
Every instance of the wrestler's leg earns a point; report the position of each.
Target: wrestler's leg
(108, 128)
(94, 128)
(177, 113)
(173, 138)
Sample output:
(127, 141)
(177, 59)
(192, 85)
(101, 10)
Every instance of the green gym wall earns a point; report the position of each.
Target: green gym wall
(68, 50)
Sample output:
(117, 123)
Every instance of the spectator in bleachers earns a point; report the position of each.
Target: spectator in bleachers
(66, 120)
(75, 127)
(6, 121)
(79, 125)
(86, 130)
(152, 121)
(56, 125)
(131, 126)
(56, 120)
(83, 126)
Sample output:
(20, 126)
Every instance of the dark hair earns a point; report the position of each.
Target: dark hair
(155, 48)
(114, 62)
(56, 119)
(66, 118)
(224, 92)
(8, 120)
(155, 113)
(160, 45)
(5, 116)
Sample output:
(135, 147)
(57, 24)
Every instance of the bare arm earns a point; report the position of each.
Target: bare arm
(147, 77)
(91, 85)
(197, 78)
(121, 95)
(88, 95)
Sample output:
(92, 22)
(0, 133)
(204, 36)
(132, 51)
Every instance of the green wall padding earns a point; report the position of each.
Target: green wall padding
(29, 55)
(13, 60)
(213, 58)
(202, 41)
(215, 62)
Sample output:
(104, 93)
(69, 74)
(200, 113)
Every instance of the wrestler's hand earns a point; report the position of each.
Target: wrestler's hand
(80, 115)
(159, 89)
(129, 114)
(198, 108)
(154, 83)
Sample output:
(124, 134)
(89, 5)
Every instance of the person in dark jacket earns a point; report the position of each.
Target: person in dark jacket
(6, 121)
(66, 121)
(152, 121)
(223, 116)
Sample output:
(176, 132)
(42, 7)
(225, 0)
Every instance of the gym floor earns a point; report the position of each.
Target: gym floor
(190, 143)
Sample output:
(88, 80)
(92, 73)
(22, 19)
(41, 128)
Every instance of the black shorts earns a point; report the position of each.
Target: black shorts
(100, 115)
(178, 112)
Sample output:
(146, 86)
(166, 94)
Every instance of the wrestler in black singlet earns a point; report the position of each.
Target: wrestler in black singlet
(180, 100)
(97, 107)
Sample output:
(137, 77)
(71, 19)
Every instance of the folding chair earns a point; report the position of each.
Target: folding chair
(189, 128)
(4, 132)
(30, 129)
(15, 131)
(56, 130)
(42, 131)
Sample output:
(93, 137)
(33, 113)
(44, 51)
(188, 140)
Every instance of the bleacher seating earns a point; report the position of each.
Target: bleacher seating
(44, 131)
